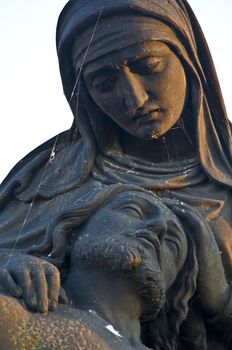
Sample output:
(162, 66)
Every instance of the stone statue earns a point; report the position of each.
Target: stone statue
(135, 269)
(115, 270)
(148, 111)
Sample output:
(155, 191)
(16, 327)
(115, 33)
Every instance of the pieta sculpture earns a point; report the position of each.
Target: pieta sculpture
(116, 234)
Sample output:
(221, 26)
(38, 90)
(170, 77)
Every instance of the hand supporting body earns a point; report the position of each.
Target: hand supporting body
(34, 280)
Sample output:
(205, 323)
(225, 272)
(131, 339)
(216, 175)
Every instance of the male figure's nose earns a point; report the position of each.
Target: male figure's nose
(135, 94)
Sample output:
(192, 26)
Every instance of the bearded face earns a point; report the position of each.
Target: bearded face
(136, 237)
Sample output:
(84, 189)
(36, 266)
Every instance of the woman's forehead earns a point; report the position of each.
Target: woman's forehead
(109, 38)
(129, 54)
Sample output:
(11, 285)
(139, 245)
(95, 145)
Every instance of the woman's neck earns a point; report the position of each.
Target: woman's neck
(176, 145)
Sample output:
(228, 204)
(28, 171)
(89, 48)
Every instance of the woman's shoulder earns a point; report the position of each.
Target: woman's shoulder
(44, 148)
(44, 170)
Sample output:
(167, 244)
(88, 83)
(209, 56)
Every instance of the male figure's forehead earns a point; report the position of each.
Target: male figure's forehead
(138, 197)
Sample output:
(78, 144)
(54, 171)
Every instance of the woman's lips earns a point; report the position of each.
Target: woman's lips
(148, 117)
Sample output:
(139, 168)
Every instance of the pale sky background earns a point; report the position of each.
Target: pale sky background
(33, 107)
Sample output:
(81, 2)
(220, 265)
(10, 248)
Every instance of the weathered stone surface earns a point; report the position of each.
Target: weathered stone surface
(129, 211)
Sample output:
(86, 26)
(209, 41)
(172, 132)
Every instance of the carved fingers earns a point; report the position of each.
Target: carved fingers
(9, 284)
(34, 280)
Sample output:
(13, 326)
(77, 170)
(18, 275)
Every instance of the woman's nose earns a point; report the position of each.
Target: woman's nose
(134, 92)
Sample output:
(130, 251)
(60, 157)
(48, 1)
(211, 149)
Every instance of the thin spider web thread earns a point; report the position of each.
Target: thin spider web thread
(85, 55)
(51, 157)
(52, 154)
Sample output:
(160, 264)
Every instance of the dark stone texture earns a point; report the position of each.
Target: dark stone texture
(128, 213)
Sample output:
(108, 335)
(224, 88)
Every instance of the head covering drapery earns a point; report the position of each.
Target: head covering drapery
(75, 150)
(214, 131)
(118, 32)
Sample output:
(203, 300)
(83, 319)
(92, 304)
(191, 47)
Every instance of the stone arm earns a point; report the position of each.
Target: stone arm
(24, 276)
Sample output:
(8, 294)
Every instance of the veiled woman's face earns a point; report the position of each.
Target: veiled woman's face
(142, 88)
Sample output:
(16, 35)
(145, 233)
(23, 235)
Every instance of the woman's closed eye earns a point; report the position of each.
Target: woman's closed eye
(104, 86)
(103, 82)
(147, 65)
